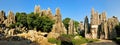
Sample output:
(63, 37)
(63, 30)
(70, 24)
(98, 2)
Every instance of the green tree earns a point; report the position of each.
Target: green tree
(43, 23)
(118, 30)
(76, 23)
(12, 25)
(21, 19)
(66, 22)
(30, 19)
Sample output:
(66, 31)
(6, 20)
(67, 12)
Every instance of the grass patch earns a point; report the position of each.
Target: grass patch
(54, 41)
(69, 40)
(82, 40)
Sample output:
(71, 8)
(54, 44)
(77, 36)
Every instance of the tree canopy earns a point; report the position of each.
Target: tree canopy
(32, 21)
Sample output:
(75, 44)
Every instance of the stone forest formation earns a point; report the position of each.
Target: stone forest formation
(99, 27)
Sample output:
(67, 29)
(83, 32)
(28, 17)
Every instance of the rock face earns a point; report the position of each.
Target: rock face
(40, 12)
(35, 36)
(81, 26)
(49, 13)
(58, 27)
(37, 9)
(10, 19)
(86, 28)
(94, 24)
(2, 17)
(112, 22)
(53, 35)
(104, 30)
(100, 27)
(94, 17)
(71, 28)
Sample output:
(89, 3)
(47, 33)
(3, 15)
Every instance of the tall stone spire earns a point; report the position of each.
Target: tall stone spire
(49, 13)
(104, 30)
(86, 28)
(10, 19)
(104, 16)
(58, 27)
(94, 24)
(37, 9)
(58, 11)
(58, 15)
(2, 16)
(92, 11)
(71, 27)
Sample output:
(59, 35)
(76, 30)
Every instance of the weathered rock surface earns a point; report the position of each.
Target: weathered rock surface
(100, 27)
(2, 17)
(10, 19)
(49, 13)
(112, 22)
(71, 28)
(37, 9)
(58, 27)
(104, 30)
(35, 37)
(81, 26)
(53, 35)
(86, 28)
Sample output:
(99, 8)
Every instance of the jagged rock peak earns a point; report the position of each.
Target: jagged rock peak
(37, 9)
(10, 14)
(49, 11)
(92, 11)
(58, 11)
(10, 19)
(2, 16)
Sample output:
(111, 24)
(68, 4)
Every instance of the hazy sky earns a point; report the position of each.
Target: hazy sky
(75, 9)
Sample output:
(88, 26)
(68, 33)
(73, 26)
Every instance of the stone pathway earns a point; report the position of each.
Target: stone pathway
(15, 43)
(101, 42)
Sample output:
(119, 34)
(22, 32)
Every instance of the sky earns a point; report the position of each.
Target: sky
(74, 9)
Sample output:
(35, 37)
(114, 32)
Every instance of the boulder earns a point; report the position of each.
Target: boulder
(53, 35)
(34, 36)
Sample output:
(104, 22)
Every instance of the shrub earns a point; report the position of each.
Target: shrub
(54, 41)
(12, 25)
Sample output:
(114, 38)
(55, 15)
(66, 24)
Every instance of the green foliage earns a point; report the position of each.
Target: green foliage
(21, 19)
(66, 22)
(79, 41)
(76, 24)
(54, 41)
(32, 21)
(118, 30)
(44, 23)
(12, 25)
(65, 39)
